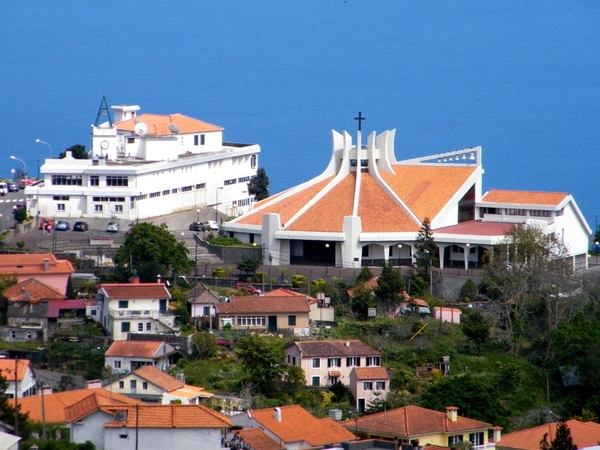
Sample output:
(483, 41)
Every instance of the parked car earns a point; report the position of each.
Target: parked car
(62, 225)
(80, 226)
(248, 288)
(112, 227)
(196, 226)
(13, 187)
(211, 225)
(3, 188)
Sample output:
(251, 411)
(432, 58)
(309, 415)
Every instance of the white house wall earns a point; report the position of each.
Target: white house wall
(163, 438)
(91, 428)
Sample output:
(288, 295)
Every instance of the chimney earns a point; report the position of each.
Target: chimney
(452, 413)
(497, 434)
(277, 414)
(46, 265)
(159, 279)
(136, 280)
(347, 343)
(93, 384)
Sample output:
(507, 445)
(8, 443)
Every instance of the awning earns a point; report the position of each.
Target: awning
(334, 373)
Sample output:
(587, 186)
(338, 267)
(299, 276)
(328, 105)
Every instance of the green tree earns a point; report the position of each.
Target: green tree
(7, 411)
(78, 151)
(476, 326)
(426, 251)
(469, 290)
(562, 441)
(259, 185)
(70, 291)
(248, 265)
(293, 380)
(148, 246)
(182, 311)
(20, 215)
(390, 286)
(365, 275)
(262, 358)
(364, 298)
(204, 345)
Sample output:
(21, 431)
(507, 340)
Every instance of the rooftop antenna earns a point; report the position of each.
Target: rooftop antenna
(103, 111)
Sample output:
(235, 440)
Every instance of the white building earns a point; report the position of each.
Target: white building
(141, 308)
(367, 207)
(20, 377)
(127, 356)
(146, 166)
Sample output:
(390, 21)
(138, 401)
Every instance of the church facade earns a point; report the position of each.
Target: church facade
(367, 207)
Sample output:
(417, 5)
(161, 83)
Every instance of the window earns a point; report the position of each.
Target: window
(186, 188)
(174, 191)
(121, 385)
(380, 385)
(373, 361)
(167, 192)
(60, 206)
(353, 361)
(196, 140)
(66, 180)
(365, 251)
(202, 139)
(454, 440)
(316, 381)
(123, 304)
(229, 182)
(316, 363)
(148, 326)
(60, 197)
(118, 208)
(200, 185)
(125, 326)
(292, 321)
(367, 385)
(117, 180)
(117, 364)
(515, 212)
(253, 161)
(140, 326)
(251, 321)
(130, 140)
(94, 180)
(144, 385)
(154, 194)
(334, 362)
(133, 384)
(333, 380)
(243, 179)
(476, 438)
(539, 213)
(199, 139)
(98, 208)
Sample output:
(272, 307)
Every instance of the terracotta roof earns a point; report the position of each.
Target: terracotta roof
(202, 294)
(286, 207)
(7, 368)
(169, 416)
(138, 349)
(584, 434)
(281, 292)
(159, 378)
(314, 431)
(71, 406)
(33, 264)
(158, 124)
(352, 347)
(412, 421)
(257, 439)
(264, 304)
(188, 391)
(369, 284)
(31, 290)
(479, 228)
(136, 290)
(371, 373)
(426, 189)
(524, 197)
(55, 306)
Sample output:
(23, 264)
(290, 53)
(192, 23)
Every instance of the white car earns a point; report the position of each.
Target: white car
(211, 225)
(112, 227)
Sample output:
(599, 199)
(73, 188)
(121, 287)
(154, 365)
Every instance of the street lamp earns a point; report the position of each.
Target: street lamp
(217, 205)
(326, 259)
(24, 165)
(39, 141)
(399, 251)
(430, 271)
(596, 244)
(196, 245)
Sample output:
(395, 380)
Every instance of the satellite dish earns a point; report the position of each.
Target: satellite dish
(174, 128)
(141, 128)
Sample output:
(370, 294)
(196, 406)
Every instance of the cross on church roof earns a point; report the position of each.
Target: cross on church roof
(360, 118)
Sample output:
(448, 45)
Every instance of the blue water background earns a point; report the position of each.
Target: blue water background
(521, 79)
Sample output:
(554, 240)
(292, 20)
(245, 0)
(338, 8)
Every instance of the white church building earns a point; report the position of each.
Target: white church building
(367, 207)
(145, 166)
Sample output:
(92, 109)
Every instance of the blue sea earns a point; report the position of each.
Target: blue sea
(521, 79)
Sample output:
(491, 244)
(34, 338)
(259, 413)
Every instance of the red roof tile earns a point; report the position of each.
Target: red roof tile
(31, 290)
(136, 290)
(137, 349)
(33, 264)
(258, 439)
(478, 228)
(524, 197)
(7, 368)
(55, 306)
(584, 434)
(263, 304)
(352, 347)
(159, 378)
(169, 416)
(371, 373)
(158, 124)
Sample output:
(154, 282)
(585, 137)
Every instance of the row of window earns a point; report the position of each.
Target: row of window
(474, 439)
(141, 327)
(521, 212)
(368, 385)
(351, 361)
(133, 384)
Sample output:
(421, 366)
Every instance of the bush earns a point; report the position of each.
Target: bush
(299, 281)
(223, 241)
(21, 245)
(219, 272)
(469, 290)
(20, 215)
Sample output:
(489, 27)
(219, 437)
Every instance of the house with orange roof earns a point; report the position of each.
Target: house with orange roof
(321, 310)
(265, 313)
(421, 427)
(19, 375)
(293, 427)
(127, 356)
(140, 308)
(367, 385)
(150, 384)
(43, 267)
(367, 207)
(130, 152)
(585, 435)
(331, 361)
(446, 314)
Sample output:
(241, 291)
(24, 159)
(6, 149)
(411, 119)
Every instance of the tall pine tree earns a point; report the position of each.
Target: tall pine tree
(562, 441)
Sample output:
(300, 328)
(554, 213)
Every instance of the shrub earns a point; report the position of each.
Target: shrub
(219, 272)
(468, 290)
(21, 245)
(223, 241)
(20, 215)
(299, 281)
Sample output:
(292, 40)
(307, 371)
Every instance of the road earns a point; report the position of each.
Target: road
(6, 208)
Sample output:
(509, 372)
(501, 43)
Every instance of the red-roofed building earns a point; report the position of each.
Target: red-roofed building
(19, 375)
(127, 356)
(586, 435)
(327, 362)
(368, 384)
(270, 313)
(294, 428)
(44, 267)
(141, 308)
(422, 427)
(195, 168)
(367, 207)
(320, 308)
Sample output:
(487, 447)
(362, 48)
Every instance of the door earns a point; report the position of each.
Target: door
(361, 405)
(272, 326)
(162, 305)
